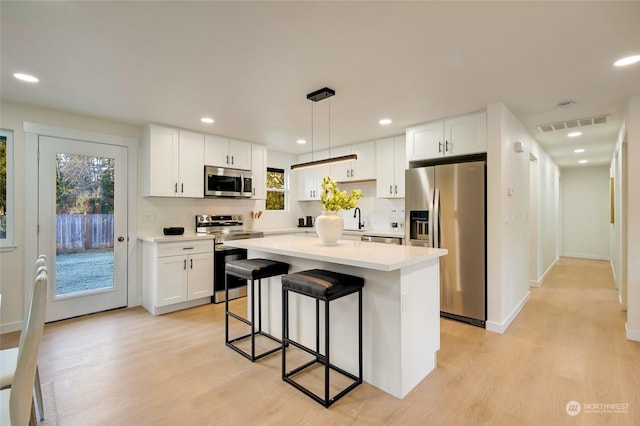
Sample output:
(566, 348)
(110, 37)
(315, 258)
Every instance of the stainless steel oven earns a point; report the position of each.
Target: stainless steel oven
(224, 228)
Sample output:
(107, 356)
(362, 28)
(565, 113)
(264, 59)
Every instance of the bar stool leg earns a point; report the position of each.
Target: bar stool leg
(285, 329)
(226, 308)
(360, 335)
(318, 328)
(253, 320)
(326, 356)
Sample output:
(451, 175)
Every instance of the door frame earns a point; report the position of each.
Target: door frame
(32, 133)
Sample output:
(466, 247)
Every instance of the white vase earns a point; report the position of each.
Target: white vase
(329, 227)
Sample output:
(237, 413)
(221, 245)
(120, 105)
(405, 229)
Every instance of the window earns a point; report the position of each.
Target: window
(276, 189)
(6, 188)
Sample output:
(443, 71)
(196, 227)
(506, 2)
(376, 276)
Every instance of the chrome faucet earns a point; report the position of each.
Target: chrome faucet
(359, 213)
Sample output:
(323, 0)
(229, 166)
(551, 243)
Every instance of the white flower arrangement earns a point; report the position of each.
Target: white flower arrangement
(332, 199)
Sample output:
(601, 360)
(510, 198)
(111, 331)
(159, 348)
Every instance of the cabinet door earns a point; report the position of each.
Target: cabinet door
(172, 280)
(318, 173)
(385, 177)
(364, 168)
(191, 165)
(200, 275)
(162, 150)
(425, 141)
(466, 135)
(341, 172)
(400, 160)
(239, 155)
(259, 170)
(304, 179)
(216, 151)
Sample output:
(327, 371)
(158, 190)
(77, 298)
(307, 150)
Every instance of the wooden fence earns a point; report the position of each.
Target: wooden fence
(84, 231)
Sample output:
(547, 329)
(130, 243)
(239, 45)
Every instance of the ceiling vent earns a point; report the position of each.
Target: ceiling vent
(572, 124)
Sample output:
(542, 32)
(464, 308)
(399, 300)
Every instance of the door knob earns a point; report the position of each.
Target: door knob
(121, 239)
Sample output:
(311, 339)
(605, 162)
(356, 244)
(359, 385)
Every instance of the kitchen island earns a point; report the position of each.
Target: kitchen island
(401, 305)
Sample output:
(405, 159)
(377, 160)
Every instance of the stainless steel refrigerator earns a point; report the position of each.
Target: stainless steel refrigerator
(446, 207)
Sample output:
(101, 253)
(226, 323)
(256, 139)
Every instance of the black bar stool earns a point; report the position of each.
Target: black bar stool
(251, 269)
(326, 286)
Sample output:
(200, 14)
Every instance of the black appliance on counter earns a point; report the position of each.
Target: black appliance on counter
(225, 228)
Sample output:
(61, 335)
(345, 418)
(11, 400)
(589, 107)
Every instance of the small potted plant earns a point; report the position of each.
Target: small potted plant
(329, 225)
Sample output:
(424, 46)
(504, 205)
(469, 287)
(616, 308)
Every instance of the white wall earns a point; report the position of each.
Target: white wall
(633, 217)
(619, 226)
(586, 212)
(508, 215)
(375, 212)
(12, 263)
(548, 212)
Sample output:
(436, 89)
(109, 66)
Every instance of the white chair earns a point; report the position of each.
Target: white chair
(9, 357)
(16, 403)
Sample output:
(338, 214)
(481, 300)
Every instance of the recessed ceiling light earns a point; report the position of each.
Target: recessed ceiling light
(574, 134)
(207, 120)
(385, 121)
(26, 77)
(301, 141)
(583, 161)
(578, 150)
(627, 61)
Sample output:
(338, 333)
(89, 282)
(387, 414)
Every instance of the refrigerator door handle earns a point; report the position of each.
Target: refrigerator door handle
(435, 220)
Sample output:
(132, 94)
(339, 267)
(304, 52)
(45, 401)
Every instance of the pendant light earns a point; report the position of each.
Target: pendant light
(317, 96)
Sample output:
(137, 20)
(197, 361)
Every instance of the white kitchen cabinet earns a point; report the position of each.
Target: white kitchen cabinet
(191, 165)
(364, 168)
(390, 166)
(309, 180)
(259, 170)
(224, 152)
(177, 275)
(173, 162)
(451, 137)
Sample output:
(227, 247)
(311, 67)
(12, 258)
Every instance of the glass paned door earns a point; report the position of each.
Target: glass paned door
(82, 196)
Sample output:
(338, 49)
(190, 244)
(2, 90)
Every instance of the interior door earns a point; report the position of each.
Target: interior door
(82, 225)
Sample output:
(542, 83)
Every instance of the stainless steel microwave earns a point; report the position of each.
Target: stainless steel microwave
(223, 182)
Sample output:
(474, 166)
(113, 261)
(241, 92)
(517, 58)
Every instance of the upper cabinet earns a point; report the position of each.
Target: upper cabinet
(259, 170)
(309, 180)
(224, 152)
(390, 165)
(174, 162)
(355, 170)
(451, 137)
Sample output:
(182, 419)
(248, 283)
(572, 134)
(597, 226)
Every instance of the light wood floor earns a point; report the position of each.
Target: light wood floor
(129, 368)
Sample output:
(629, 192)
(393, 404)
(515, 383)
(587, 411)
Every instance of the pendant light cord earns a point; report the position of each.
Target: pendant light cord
(329, 127)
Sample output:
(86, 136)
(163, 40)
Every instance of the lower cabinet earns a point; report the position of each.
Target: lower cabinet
(176, 275)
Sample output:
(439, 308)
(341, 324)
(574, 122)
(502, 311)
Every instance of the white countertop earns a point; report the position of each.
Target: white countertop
(382, 257)
(346, 231)
(158, 238)
(192, 236)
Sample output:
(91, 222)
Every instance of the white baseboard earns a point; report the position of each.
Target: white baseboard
(541, 280)
(501, 327)
(586, 256)
(632, 334)
(613, 272)
(623, 306)
(11, 327)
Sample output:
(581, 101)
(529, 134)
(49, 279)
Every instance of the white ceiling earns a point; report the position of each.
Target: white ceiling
(249, 65)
